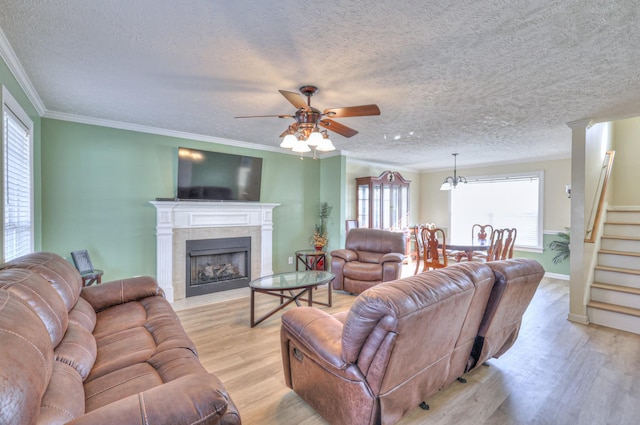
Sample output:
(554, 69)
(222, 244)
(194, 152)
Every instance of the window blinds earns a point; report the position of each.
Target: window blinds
(17, 187)
(513, 201)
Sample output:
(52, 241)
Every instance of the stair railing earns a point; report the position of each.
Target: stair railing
(598, 201)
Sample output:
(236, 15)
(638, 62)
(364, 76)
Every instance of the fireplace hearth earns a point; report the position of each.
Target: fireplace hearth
(214, 265)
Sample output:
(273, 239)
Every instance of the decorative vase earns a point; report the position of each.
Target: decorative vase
(319, 247)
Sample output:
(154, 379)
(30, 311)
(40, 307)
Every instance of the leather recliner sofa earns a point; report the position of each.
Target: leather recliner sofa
(370, 256)
(113, 353)
(404, 340)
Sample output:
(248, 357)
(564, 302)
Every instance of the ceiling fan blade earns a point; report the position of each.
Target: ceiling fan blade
(352, 111)
(295, 99)
(292, 129)
(338, 128)
(267, 116)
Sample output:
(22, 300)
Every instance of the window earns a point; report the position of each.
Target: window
(513, 200)
(17, 179)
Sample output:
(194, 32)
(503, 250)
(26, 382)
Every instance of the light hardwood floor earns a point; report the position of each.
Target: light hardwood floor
(557, 373)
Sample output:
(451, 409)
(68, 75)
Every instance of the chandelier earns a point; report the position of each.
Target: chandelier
(451, 182)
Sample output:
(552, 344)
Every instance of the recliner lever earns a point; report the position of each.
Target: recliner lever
(297, 354)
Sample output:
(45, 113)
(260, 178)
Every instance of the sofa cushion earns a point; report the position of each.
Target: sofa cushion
(64, 278)
(27, 357)
(192, 399)
(64, 398)
(163, 367)
(131, 333)
(41, 297)
(356, 270)
(83, 314)
(77, 349)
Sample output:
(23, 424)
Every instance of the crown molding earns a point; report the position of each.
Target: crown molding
(394, 167)
(10, 58)
(81, 119)
(586, 123)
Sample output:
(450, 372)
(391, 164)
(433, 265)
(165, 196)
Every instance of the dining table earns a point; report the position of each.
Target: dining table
(467, 246)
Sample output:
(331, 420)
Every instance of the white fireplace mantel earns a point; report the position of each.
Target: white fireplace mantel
(173, 215)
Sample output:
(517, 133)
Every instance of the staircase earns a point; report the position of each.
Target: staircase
(615, 292)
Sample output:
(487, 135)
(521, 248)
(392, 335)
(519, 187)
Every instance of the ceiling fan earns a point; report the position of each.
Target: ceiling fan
(309, 118)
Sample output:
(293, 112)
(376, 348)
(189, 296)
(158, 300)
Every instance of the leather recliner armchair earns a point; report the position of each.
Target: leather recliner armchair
(370, 257)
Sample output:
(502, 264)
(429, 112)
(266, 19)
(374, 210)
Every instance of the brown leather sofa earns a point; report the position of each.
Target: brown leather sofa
(402, 341)
(370, 256)
(113, 353)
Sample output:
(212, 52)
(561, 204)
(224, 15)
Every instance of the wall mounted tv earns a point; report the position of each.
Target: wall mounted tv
(215, 176)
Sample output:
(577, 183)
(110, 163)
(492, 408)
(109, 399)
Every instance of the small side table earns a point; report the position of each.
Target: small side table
(91, 277)
(311, 259)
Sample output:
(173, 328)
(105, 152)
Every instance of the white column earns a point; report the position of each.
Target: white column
(266, 225)
(577, 278)
(164, 249)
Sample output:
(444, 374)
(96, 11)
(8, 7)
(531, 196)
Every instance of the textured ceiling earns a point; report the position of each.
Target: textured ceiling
(493, 80)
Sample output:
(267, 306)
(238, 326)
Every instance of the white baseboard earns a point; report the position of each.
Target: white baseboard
(557, 276)
(578, 318)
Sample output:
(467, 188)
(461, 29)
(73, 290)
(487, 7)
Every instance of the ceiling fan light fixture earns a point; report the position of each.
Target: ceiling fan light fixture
(301, 146)
(315, 138)
(325, 144)
(289, 141)
(305, 134)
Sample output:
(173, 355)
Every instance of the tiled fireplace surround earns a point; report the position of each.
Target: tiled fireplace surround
(179, 221)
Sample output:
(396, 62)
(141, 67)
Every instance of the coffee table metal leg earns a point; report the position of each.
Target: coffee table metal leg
(253, 292)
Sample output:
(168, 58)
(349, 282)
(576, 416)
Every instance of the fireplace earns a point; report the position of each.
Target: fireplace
(180, 221)
(214, 265)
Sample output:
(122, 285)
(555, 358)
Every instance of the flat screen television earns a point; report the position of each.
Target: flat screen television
(215, 176)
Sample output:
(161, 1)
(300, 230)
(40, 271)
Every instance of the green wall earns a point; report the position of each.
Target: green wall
(97, 181)
(545, 258)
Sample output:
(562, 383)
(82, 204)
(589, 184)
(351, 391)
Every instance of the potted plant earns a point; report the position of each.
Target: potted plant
(561, 246)
(320, 237)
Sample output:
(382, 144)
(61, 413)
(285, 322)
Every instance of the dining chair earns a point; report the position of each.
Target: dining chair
(419, 247)
(495, 249)
(481, 233)
(508, 243)
(484, 232)
(435, 248)
(350, 224)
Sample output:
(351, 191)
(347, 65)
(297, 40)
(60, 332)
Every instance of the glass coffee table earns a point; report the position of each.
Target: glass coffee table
(285, 285)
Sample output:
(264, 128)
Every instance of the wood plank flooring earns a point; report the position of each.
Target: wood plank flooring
(557, 373)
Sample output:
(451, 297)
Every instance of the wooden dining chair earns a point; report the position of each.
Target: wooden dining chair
(495, 249)
(350, 224)
(481, 233)
(509, 240)
(435, 248)
(419, 248)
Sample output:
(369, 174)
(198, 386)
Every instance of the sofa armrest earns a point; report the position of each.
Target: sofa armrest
(196, 398)
(392, 257)
(316, 332)
(116, 292)
(345, 254)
